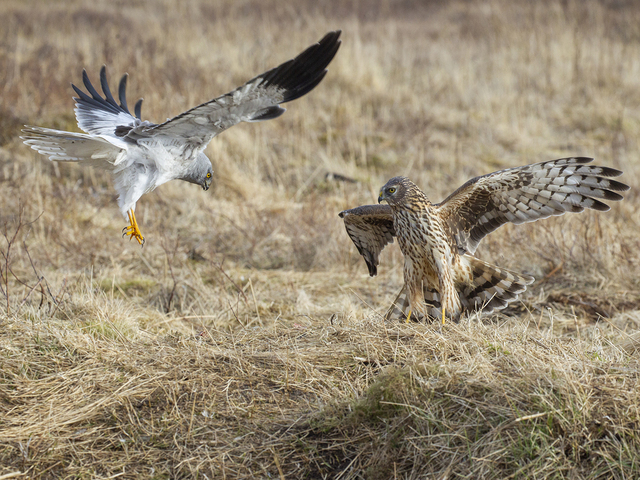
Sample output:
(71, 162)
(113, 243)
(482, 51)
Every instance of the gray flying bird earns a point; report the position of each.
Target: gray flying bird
(142, 155)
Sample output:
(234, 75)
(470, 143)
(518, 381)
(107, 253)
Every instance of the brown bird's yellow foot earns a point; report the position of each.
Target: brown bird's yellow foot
(443, 314)
(133, 230)
(409, 316)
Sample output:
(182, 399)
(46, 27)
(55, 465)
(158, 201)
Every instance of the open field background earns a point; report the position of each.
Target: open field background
(245, 340)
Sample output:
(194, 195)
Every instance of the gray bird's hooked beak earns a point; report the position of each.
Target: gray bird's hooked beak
(206, 184)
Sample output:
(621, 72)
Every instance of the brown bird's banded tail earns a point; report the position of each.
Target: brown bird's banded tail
(492, 288)
(399, 309)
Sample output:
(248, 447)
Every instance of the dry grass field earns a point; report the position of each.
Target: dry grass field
(245, 340)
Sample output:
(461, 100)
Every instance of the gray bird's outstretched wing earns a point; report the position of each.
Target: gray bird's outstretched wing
(256, 100)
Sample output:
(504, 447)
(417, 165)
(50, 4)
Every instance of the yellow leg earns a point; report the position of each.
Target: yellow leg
(409, 316)
(443, 314)
(133, 230)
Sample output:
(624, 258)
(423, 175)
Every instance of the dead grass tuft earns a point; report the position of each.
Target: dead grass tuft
(525, 408)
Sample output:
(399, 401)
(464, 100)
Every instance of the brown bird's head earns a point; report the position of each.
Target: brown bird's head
(397, 191)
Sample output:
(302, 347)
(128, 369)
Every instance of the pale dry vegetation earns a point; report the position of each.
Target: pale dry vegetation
(245, 340)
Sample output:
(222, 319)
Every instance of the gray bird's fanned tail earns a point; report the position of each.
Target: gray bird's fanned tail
(71, 147)
(491, 289)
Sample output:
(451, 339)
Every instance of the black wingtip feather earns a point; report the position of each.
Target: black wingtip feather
(369, 260)
(268, 113)
(303, 89)
(122, 93)
(81, 94)
(613, 196)
(303, 73)
(138, 109)
(105, 87)
(611, 172)
(618, 186)
(83, 97)
(89, 86)
(95, 100)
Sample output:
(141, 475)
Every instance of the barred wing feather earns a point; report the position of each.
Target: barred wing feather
(370, 227)
(525, 194)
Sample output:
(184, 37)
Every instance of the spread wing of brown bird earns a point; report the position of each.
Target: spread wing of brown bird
(438, 240)
(371, 229)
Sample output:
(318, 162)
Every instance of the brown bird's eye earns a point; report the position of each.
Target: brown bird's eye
(392, 190)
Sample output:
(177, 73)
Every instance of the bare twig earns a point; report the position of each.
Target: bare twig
(41, 279)
(255, 302)
(240, 290)
(56, 300)
(234, 313)
(173, 277)
(6, 269)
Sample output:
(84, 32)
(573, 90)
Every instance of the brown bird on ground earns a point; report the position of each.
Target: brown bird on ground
(441, 275)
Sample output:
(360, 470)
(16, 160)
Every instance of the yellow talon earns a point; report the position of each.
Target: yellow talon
(133, 230)
(443, 314)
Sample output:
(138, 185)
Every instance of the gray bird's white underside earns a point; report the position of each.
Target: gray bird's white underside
(137, 167)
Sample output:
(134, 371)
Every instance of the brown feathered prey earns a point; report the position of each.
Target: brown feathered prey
(441, 275)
